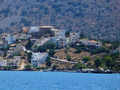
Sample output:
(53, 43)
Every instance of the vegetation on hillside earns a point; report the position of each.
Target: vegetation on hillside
(98, 19)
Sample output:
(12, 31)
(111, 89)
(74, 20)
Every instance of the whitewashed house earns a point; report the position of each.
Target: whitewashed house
(60, 39)
(34, 29)
(38, 59)
(74, 37)
(92, 43)
(3, 63)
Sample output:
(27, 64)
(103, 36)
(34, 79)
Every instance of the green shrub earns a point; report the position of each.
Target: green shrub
(86, 59)
(28, 67)
(97, 62)
(78, 66)
(48, 61)
(68, 57)
(51, 52)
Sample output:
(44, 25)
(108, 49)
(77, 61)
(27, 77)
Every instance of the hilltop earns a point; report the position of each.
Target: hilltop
(97, 19)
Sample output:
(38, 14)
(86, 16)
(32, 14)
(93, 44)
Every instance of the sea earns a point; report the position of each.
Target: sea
(28, 80)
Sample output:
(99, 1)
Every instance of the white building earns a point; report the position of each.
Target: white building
(34, 29)
(74, 37)
(91, 43)
(3, 63)
(38, 58)
(60, 39)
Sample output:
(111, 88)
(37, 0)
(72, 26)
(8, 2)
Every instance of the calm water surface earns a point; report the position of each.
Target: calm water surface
(58, 81)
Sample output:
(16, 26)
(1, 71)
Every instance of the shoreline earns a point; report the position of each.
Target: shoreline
(69, 71)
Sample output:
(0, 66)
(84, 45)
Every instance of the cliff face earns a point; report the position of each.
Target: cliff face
(95, 18)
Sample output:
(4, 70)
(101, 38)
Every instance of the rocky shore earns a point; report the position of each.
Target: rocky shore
(75, 71)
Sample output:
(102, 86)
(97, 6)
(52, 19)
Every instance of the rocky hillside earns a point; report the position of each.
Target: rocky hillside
(95, 18)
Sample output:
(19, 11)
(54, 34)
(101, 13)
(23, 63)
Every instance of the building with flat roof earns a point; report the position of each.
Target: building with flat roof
(74, 37)
(38, 59)
(93, 43)
(3, 62)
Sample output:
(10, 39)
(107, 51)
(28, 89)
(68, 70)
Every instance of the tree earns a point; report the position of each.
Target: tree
(86, 59)
(51, 52)
(41, 49)
(98, 50)
(29, 56)
(97, 62)
(54, 67)
(28, 67)
(78, 50)
(29, 44)
(115, 55)
(68, 57)
(108, 61)
(116, 68)
(78, 66)
(67, 33)
(115, 45)
(48, 61)
(50, 45)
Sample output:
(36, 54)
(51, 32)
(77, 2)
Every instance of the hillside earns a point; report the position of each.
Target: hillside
(95, 18)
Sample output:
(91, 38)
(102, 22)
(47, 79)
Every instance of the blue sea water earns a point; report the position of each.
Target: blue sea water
(58, 81)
